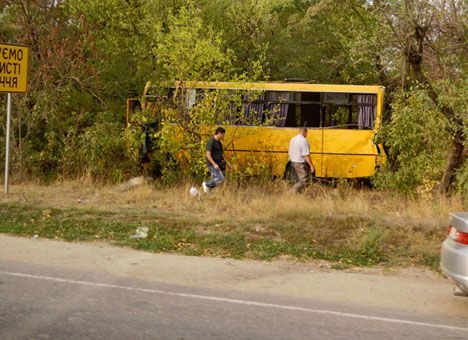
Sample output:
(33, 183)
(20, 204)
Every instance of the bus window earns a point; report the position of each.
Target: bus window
(283, 109)
(227, 105)
(367, 104)
(171, 93)
(190, 98)
(348, 111)
(279, 106)
(253, 107)
(294, 112)
(310, 109)
(335, 111)
(193, 97)
(156, 94)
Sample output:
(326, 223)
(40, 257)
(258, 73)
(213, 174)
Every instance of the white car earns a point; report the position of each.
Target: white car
(454, 254)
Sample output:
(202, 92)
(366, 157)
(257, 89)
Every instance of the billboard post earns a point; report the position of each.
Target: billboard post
(7, 143)
(13, 79)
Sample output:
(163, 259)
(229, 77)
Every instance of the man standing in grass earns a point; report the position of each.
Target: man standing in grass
(215, 160)
(299, 155)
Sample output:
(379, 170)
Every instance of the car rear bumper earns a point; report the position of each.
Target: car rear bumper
(454, 262)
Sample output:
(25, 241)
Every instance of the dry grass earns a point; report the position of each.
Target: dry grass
(342, 224)
(242, 203)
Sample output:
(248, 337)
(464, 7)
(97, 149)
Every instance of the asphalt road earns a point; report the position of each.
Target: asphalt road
(50, 302)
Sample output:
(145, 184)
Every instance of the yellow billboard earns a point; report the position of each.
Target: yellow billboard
(13, 68)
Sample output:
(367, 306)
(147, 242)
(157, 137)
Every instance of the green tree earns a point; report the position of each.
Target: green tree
(428, 37)
(190, 50)
(418, 134)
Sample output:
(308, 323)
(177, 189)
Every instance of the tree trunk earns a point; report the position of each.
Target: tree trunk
(455, 161)
(455, 158)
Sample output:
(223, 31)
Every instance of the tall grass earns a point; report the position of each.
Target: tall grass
(268, 202)
(342, 224)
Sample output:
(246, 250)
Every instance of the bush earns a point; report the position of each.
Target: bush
(417, 139)
(98, 152)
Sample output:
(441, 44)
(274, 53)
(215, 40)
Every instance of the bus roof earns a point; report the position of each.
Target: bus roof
(284, 86)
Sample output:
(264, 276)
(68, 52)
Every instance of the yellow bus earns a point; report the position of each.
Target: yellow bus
(342, 121)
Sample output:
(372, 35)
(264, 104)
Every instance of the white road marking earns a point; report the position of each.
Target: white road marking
(237, 301)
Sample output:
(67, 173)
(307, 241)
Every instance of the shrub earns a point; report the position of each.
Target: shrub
(417, 138)
(98, 152)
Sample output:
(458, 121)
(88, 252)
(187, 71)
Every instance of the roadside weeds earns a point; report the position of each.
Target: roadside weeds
(347, 226)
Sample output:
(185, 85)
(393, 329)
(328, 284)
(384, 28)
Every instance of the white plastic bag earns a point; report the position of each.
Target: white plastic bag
(194, 192)
(141, 232)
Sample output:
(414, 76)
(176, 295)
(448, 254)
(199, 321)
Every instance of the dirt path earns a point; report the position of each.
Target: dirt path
(409, 290)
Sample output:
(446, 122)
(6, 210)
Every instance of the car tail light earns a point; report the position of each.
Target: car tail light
(458, 236)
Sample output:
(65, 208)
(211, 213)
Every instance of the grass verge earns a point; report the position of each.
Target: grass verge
(348, 227)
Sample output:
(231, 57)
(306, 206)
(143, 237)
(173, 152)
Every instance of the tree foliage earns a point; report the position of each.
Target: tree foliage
(418, 134)
(87, 56)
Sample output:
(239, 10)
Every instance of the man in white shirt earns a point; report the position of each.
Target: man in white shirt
(299, 155)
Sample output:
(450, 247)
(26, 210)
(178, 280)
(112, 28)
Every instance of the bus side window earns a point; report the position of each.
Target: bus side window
(253, 108)
(190, 98)
(335, 109)
(367, 110)
(171, 93)
(349, 111)
(279, 105)
(310, 109)
(301, 109)
(193, 97)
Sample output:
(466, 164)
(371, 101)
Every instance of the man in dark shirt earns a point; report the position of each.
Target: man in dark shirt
(215, 160)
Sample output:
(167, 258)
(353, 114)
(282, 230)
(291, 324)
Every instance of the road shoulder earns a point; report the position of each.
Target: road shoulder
(412, 289)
